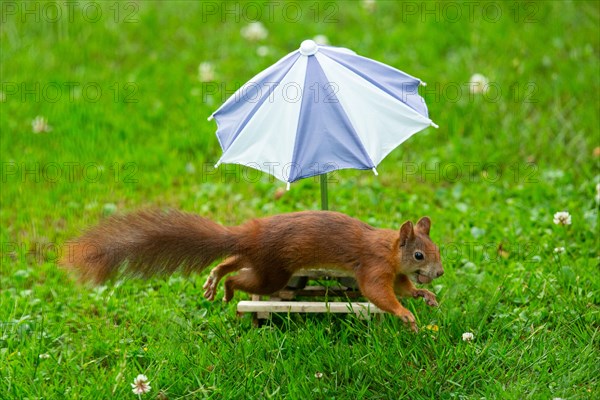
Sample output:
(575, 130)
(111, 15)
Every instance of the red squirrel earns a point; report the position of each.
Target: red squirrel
(265, 251)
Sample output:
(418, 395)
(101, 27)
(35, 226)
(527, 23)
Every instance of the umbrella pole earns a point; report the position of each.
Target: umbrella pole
(324, 203)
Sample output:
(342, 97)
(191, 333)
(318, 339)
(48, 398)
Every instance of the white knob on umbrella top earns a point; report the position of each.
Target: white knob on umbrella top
(308, 47)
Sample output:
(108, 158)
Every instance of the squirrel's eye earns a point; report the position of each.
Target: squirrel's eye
(419, 255)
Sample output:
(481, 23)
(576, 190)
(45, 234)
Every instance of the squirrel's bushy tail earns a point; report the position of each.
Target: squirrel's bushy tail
(146, 243)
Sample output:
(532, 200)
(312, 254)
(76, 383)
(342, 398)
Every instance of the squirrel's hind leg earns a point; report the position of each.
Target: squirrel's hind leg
(229, 265)
(252, 281)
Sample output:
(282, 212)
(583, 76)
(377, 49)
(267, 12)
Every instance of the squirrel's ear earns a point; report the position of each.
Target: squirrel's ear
(406, 232)
(424, 225)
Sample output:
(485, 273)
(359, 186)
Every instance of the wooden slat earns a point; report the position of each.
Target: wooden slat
(307, 307)
(323, 273)
(318, 291)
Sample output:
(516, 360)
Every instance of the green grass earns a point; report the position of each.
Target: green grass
(522, 157)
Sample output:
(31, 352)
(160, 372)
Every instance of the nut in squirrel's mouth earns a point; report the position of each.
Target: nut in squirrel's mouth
(422, 278)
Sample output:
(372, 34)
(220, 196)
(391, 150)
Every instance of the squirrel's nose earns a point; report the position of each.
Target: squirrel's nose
(439, 273)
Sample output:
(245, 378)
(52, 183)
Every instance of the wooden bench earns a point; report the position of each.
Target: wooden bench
(284, 300)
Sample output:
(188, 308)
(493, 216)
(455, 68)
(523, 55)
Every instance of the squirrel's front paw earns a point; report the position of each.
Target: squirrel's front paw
(408, 318)
(427, 296)
(210, 287)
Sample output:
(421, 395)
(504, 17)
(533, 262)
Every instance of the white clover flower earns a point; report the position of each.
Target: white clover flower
(478, 84)
(467, 336)
(559, 250)
(262, 51)
(318, 375)
(562, 218)
(140, 384)
(206, 72)
(369, 5)
(44, 356)
(109, 208)
(254, 31)
(190, 168)
(321, 40)
(40, 125)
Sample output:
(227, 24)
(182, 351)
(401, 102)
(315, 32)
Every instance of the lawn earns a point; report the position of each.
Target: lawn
(123, 100)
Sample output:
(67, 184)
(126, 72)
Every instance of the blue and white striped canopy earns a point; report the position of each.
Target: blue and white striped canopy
(319, 109)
